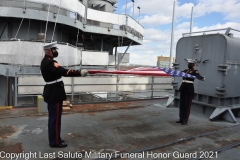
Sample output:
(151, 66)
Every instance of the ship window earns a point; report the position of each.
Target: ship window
(72, 14)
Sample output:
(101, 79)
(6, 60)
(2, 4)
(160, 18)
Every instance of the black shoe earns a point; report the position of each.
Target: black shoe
(183, 123)
(179, 121)
(59, 146)
(62, 141)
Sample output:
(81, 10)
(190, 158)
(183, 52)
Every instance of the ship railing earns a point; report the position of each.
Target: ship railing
(123, 24)
(36, 40)
(42, 7)
(93, 89)
(115, 26)
(225, 31)
(119, 21)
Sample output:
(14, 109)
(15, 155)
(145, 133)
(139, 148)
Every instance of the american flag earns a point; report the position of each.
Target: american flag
(176, 73)
(145, 71)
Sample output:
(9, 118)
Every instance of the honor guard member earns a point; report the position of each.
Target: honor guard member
(54, 92)
(187, 91)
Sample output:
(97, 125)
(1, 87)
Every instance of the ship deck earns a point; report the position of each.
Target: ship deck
(144, 129)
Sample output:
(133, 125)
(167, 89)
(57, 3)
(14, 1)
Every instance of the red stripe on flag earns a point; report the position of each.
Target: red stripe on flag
(131, 72)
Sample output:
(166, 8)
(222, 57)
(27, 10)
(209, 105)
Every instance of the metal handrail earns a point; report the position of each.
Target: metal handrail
(150, 93)
(66, 12)
(27, 5)
(227, 31)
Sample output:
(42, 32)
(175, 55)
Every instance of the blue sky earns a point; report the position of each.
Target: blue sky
(156, 18)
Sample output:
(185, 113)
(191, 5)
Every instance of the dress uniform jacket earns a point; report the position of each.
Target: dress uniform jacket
(52, 71)
(186, 94)
(189, 87)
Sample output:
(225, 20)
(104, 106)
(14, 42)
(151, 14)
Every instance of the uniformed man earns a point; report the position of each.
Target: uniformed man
(54, 92)
(187, 91)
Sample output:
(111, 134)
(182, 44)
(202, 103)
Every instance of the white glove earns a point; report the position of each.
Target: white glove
(203, 79)
(84, 72)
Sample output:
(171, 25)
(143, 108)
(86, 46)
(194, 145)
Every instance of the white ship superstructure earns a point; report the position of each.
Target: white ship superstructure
(88, 33)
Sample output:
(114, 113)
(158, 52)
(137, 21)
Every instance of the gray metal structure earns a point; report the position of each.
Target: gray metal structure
(218, 59)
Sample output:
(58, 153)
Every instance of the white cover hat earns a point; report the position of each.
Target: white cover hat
(191, 60)
(50, 45)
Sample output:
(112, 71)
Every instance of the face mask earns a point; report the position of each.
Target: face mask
(190, 65)
(55, 54)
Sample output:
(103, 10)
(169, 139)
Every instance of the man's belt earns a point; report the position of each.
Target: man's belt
(55, 81)
(187, 81)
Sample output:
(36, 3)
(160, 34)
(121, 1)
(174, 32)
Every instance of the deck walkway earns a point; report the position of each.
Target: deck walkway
(120, 127)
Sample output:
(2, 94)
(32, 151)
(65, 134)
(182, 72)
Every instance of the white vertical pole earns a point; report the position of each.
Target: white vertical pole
(126, 8)
(85, 3)
(172, 36)
(138, 14)
(133, 10)
(191, 23)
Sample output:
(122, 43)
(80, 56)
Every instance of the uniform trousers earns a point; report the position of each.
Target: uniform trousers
(185, 106)
(54, 122)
